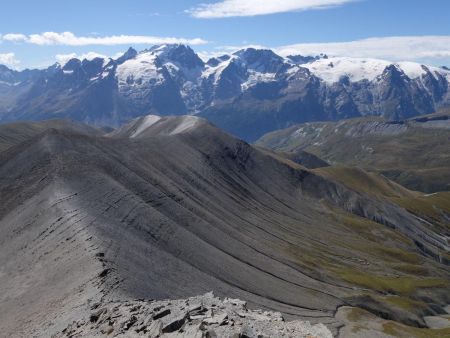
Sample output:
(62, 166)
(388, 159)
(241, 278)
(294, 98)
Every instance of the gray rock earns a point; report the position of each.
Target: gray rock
(178, 324)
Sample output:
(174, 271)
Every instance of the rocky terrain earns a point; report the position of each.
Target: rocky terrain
(173, 207)
(202, 316)
(413, 152)
(248, 93)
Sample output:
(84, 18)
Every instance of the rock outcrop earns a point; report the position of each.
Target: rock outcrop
(202, 316)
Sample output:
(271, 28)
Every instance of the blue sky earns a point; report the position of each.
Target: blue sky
(397, 29)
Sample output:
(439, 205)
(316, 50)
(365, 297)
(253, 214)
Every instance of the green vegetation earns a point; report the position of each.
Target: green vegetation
(397, 254)
(427, 205)
(362, 181)
(413, 156)
(370, 230)
(404, 303)
(411, 269)
(399, 330)
(401, 285)
(356, 314)
(361, 320)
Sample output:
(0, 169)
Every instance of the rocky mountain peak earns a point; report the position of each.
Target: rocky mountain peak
(215, 61)
(394, 74)
(178, 53)
(72, 64)
(263, 60)
(129, 54)
(301, 59)
(6, 74)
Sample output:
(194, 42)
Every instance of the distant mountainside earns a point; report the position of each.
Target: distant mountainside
(94, 226)
(248, 93)
(414, 152)
(15, 133)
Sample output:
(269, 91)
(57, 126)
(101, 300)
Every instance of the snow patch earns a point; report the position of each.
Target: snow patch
(357, 69)
(138, 72)
(144, 123)
(187, 123)
(257, 77)
(412, 69)
(216, 72)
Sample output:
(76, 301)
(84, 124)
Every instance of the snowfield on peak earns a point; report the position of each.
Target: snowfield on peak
(332, 69)
(153, 125)
(187, 123)
(146, 122)
(139, 71)
(357, 69)
(216, 71)
(257, 77)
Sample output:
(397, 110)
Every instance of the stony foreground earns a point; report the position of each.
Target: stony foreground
(203, 316)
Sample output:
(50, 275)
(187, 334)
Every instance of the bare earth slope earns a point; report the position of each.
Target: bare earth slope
(182, 209)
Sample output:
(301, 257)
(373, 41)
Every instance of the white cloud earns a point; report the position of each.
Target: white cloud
(9, 59)
(64, 58)
(222, 50)
(117, 55)
(233, 8)
(70, 39)
(14, 37)
(396, 48)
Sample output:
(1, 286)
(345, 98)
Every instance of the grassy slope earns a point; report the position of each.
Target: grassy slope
(397, 282)
(383, 264)
(362, 322)
(418, 158)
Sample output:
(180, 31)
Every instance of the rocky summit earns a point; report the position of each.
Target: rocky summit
(195, 317)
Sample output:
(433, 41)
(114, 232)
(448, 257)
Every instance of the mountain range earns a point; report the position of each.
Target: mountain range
(247, 93)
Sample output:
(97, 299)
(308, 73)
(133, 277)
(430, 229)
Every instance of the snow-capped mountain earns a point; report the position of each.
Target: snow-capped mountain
(249, 92)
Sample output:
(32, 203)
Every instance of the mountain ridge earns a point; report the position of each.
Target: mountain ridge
(94, 218)
(248, 93)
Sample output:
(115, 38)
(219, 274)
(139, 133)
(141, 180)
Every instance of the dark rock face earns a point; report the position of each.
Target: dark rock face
(265, 61)
(306, 159)
(248, 93)
(183, 55)
(301, 60)
(128, 55)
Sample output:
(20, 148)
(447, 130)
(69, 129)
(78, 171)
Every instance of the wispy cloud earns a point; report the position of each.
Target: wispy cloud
(233, 8)
(396, 48)
(222, 50)
(9, 59)
(70, 39)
